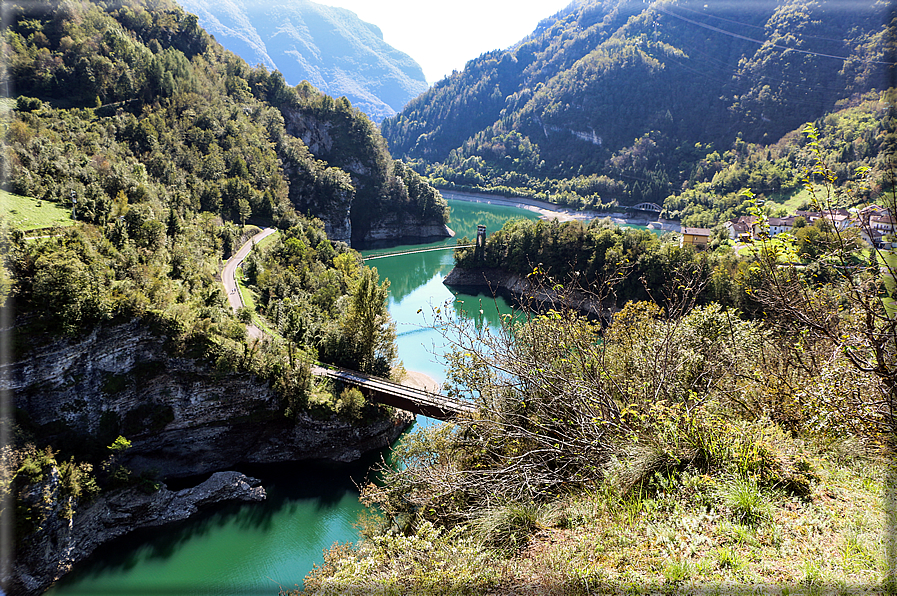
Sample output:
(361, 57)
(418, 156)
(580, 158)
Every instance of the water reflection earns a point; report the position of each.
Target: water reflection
(237, 548)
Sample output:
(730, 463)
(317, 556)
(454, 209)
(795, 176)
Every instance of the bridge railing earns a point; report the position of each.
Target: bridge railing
(421, 396)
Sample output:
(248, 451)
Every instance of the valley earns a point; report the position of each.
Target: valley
(662, 301)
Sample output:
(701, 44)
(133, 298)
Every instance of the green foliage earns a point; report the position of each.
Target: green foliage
(744, 497)
(601, 105)
(177, 129)
(350, 404)
(41, 486)
(362, 176)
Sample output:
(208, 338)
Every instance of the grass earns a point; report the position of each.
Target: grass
(26, 213)
(744, 540)
(246, 295)
(791, 202)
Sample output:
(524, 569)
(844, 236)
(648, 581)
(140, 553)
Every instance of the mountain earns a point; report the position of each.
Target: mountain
(618, 100)
(329, 47)
(176, 122)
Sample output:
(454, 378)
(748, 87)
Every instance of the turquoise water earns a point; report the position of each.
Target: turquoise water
(251, 548)
(258, 548)
(416, 290)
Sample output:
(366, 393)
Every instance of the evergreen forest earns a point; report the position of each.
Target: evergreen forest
(619, 102)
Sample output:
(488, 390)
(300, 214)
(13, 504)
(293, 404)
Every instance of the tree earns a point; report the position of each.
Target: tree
(367, 333)
(847, 317)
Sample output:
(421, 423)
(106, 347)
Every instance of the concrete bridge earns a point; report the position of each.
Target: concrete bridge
(416, 401)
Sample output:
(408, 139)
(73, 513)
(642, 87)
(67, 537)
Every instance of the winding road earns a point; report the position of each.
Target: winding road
(424, 395)
(229, 279)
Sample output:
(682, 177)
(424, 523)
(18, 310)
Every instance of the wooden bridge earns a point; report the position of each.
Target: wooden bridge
(416, 401)
(413, 251)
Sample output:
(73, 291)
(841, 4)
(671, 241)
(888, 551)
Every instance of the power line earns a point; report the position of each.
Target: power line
(762, 42)
(739, 23)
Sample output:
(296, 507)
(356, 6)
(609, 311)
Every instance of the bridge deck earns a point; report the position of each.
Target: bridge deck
(413, 251)
(386, 392)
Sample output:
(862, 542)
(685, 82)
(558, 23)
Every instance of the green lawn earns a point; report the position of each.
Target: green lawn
(789, 202)
(26, 213)
(267, 240)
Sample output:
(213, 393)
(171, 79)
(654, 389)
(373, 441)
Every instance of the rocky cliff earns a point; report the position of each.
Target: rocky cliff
(363, 195)
(182, 416)
(524, 291)
(65, 540)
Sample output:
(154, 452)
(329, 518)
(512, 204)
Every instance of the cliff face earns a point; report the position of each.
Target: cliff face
(360, 198)
(182, 416)
(520, 289)
(65, 540)
(404, 227)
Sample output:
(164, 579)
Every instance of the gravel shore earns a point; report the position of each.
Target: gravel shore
(552, 211)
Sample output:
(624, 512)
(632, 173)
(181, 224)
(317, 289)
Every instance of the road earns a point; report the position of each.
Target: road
(417, 381)
(228, 276)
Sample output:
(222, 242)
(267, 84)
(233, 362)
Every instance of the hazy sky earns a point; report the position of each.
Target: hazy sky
(443, 36)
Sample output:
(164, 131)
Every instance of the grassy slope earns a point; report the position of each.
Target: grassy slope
(691, 538)
(26, 213)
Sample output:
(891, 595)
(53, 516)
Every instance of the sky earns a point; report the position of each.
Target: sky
(443, 36)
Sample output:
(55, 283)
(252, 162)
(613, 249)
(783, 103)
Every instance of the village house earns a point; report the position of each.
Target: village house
(697, 237)
(780, 225)
(741, 229)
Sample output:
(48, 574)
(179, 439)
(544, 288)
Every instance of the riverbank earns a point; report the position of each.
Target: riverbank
(552, 211)
(518, 288)
(419, 380)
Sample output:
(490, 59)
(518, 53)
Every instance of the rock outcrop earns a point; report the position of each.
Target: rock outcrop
(360, 198)
(522, 290)
(182, 416)
(65, 540)
(404, 228)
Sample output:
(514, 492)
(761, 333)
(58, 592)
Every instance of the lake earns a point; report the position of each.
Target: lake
(257, 548)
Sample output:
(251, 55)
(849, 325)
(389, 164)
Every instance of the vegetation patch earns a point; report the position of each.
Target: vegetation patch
(26, 213)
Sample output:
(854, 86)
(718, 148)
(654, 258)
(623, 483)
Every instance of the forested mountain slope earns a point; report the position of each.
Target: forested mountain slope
(124, 104)
(168, 150)
(329, 47)
(612, 97)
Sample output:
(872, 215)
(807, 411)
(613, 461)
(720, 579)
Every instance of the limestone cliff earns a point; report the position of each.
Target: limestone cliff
(363, 195)
(524, 291)
(65, 540)
(182, 416)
